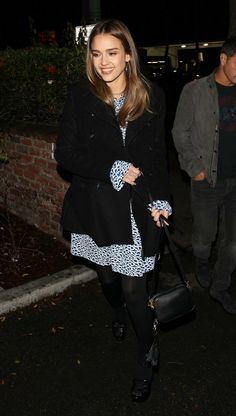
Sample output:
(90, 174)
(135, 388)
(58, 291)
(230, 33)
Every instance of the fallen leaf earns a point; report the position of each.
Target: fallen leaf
(56, 329)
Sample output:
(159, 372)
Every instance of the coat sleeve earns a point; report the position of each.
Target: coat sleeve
(182, 132)
(159, 180)
(73, 152)
(151, 153)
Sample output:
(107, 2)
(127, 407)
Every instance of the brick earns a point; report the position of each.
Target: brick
(34, 187)
(27, 141)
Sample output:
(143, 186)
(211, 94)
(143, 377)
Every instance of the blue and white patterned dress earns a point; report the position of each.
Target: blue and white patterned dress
(123, 258)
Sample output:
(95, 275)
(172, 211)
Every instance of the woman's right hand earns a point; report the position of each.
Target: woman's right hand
(131, 175)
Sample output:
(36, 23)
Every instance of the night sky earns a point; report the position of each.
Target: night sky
(173, 21)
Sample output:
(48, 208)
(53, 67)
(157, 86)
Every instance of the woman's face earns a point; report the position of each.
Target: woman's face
(109, 59)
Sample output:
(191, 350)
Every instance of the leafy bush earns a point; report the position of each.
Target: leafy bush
(34, 81)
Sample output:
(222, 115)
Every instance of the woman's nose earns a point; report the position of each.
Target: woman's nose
(104, 60)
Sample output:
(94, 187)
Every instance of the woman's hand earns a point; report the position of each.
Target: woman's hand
(131, 175)
(155, 213)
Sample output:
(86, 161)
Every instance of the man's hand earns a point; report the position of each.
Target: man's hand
(200, 176)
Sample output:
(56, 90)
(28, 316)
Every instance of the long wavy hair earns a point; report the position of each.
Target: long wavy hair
(137, 87)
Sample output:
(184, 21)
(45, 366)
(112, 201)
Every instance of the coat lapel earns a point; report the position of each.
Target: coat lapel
(104, 112)
(134, 127)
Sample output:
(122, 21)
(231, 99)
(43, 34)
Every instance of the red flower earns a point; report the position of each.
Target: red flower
(51, 69)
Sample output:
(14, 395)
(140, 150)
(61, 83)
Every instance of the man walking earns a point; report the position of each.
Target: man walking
(204, 134)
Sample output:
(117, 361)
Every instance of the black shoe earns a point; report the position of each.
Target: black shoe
(202, 273)
(141, 390)
(225, 299)
(119, 330)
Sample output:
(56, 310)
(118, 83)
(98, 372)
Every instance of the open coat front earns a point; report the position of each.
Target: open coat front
(89, 142)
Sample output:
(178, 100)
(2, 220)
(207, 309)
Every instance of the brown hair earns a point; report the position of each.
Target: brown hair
(229, 47)
(137, 87)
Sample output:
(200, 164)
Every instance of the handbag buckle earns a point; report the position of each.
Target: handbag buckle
(150, 303)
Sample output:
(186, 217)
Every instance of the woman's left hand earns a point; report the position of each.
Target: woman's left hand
(155, 213)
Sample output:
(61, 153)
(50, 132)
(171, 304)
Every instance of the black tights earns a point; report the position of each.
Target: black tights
(119, 289)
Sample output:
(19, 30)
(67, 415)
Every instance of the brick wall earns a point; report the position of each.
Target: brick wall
(30, 184)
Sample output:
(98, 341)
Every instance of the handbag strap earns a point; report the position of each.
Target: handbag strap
(172, 247)
(173, 250)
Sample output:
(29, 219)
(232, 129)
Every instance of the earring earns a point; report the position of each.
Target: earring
(127, 69)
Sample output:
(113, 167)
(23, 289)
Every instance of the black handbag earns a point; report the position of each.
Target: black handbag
(170, 304)
(175, 302)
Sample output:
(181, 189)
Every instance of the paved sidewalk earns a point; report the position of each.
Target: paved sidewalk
(31, 292)
(59, 357)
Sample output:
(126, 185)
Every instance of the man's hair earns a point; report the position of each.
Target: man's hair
(229, 46)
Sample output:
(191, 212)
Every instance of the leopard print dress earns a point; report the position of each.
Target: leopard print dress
(126, 259)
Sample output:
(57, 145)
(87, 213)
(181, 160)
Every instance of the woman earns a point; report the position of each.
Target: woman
(111, 139)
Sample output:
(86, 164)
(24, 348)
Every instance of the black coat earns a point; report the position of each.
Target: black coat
(89, 142)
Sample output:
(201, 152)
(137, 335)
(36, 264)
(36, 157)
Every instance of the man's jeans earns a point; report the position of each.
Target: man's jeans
(214, 214)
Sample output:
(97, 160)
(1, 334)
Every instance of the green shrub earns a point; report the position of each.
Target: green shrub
(34, 82)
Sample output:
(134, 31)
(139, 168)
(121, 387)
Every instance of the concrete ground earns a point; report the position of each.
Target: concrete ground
(58, 356)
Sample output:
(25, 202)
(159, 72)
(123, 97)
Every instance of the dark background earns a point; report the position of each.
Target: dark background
(151, 22)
